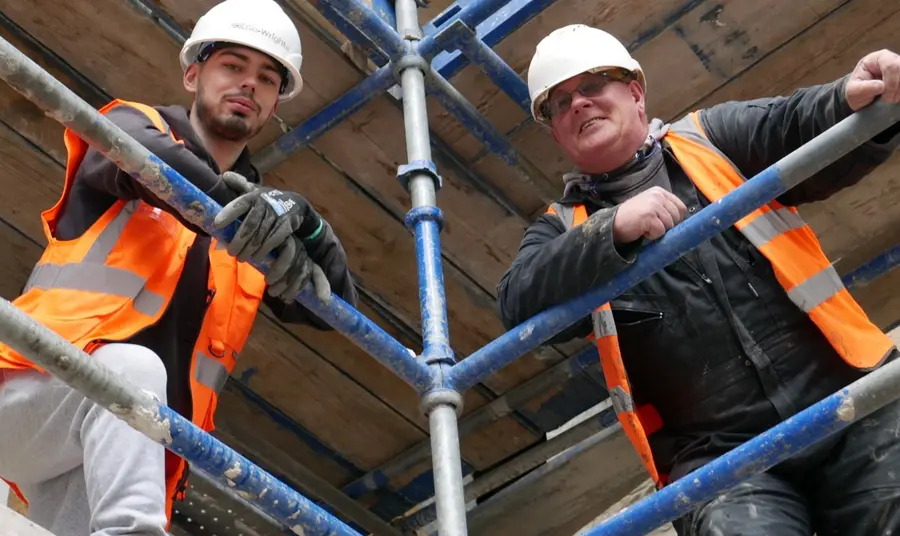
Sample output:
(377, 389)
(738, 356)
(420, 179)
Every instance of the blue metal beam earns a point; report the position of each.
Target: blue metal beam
(875, 268)
(492, 31)
(458, 35)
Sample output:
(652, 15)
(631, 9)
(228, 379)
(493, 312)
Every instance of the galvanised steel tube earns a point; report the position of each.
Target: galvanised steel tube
(425, 219)
(59, 102)
(713, 219)
(490, 412)
(790, 437)
(162, 424)
(516, 467)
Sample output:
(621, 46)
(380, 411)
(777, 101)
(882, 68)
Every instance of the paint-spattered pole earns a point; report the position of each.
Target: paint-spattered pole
(837, 411)
(791, 170)
(163, 425)
(59, 102)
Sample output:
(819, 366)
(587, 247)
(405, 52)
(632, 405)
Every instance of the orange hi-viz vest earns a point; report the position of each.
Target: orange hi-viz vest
(799, 263)
(118, 279)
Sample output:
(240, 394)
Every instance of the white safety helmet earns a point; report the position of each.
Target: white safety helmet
(258, 24)
(570, 51)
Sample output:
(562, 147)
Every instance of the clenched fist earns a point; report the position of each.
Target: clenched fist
(649, 215)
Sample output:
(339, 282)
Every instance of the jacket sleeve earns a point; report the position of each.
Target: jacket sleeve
(102, 174)
(755, 134)
(329, 254)
(553, 266)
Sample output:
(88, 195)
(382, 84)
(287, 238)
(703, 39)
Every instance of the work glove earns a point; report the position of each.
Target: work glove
(269, 217)
(293, 268)
(237, 183)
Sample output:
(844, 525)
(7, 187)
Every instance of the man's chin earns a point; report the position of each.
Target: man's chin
(234, 128)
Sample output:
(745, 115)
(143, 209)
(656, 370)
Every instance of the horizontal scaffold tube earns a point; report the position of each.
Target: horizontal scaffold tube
(791, 170)
(62, 104)
(828, 416)
(163, 425)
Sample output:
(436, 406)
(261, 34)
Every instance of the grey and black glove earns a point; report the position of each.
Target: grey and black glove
(292, 270)
(269, 217)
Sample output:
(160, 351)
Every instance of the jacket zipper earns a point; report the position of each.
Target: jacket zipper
(700, 274)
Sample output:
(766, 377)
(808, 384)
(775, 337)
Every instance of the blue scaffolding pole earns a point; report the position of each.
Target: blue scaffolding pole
(435, 374)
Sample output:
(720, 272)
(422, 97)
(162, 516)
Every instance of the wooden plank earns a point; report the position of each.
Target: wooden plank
(20, 114)
(564, 494)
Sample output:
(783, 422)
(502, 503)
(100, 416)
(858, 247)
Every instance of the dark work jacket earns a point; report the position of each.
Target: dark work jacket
(99, 183)
(712, 340)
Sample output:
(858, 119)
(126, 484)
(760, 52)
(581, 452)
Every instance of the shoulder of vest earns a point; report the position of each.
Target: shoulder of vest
(565, 212)
(152, 113)
(688, 125)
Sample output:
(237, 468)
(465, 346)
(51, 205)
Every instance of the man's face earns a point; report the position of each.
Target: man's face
(235, 91)
(598, 119)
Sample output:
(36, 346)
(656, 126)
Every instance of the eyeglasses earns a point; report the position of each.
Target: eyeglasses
(591, 85)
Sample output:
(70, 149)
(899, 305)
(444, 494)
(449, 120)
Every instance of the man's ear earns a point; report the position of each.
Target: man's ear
(191, 77)
(637, 92)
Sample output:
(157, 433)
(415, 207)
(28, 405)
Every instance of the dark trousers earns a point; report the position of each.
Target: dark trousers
(847, 485)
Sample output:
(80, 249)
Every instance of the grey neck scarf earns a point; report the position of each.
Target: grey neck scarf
(645, 170)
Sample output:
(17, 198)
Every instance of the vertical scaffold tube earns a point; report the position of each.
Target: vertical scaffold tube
(425, 220)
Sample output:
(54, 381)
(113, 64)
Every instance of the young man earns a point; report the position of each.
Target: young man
(153, 297)
(716, 347)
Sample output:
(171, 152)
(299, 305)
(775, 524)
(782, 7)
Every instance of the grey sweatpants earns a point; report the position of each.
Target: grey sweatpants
(83, 470)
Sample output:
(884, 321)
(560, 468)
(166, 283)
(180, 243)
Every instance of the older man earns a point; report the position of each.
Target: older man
(744, 331)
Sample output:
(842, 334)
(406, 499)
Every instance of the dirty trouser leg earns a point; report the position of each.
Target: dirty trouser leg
(856, 489)
(83, 470)
(763, 505)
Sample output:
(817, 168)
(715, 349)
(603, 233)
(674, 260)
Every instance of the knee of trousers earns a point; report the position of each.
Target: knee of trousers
(138, 364)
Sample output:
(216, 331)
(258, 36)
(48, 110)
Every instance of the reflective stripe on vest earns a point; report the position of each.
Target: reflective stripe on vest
(637, 423)
(209, 372)
(792, 248)
(92, 274)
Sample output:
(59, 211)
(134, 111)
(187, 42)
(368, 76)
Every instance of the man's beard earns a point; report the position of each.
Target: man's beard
(231, 127)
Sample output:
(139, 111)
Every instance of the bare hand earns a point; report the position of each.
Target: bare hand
(876, 74)
(649, 214)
